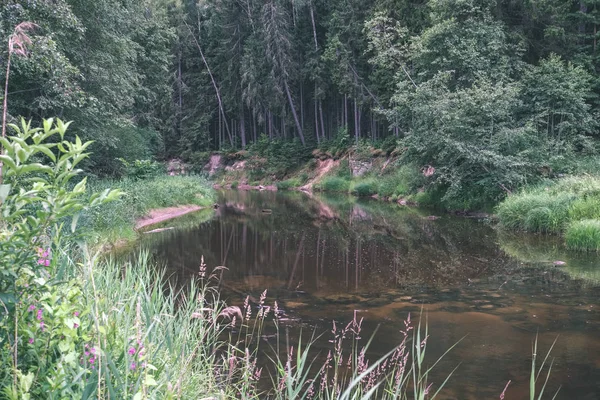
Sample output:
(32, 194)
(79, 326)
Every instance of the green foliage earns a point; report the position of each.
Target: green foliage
(38, 165)
(400, 181)
(584, 235)
(289, 184)
(339, 144)
(142, 169)
(585, 208)
(235, 184)
(334, 184)
(537, 211)
(280, 157)
(364, 188)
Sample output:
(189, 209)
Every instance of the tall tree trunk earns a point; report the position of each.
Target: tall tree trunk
(243, 128)
(356, 132)
(346, 111)
(5, 110)
(214, 83)
(317, 120)
(294, 113)
(302, 107)
(270, 124)
(321, 116)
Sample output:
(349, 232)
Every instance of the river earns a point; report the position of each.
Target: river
(325, 258)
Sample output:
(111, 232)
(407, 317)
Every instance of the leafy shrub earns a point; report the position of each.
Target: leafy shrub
(584, 235)
(142, 169)
(338, 145)
(235, 184)
(364, 188)
(112, 143)
(400, 181)
(197, 159)
(389, 144)
(289, 184)
(343, 170)
(39, 320)
(334, 184)
(423, 198)
(280, 156)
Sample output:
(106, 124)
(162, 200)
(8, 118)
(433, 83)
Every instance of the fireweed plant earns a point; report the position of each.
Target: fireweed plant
(40, 325)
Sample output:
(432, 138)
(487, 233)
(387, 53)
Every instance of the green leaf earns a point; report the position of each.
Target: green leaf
(74, 222)
(149, 381)
(8, 161)
(4, 192)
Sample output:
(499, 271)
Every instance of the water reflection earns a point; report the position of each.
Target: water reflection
(322, 258)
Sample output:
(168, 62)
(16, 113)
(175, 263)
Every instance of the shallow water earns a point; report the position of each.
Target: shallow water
(322, 258)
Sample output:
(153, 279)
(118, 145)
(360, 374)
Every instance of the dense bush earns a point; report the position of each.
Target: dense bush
(39, 318)
(400, 180)
(280, 156)
(142, 169)
(289, 184)
(333, 184)
(364, 188)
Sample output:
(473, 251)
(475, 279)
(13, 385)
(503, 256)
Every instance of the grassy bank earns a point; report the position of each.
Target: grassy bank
(569, 207)
(116, 220)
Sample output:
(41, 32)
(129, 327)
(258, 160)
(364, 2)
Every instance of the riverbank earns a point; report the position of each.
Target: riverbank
(564, 204)
(144, 202)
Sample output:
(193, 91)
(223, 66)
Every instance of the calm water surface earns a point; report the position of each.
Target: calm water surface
(322, 258)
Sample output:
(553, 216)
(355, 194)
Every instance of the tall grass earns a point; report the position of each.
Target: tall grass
(584, 235)
(153, 341)
(569, 206)
(116, 220)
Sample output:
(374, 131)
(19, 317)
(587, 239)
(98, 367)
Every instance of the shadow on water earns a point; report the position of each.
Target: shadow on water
(322, 258)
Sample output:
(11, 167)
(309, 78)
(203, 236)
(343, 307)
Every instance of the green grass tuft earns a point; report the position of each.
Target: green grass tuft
(334, 184)
(584, 235)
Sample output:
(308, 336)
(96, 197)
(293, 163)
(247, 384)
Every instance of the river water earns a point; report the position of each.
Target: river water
(325, 258)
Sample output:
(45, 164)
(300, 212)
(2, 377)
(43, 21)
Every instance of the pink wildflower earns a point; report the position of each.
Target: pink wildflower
(131, 351)
(30, 340)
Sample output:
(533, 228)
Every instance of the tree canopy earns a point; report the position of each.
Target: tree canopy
(485, 91)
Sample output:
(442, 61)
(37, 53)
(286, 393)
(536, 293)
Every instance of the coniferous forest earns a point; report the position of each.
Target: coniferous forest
(492, 93)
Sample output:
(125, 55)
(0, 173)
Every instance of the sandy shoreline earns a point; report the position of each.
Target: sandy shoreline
(163, 214)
